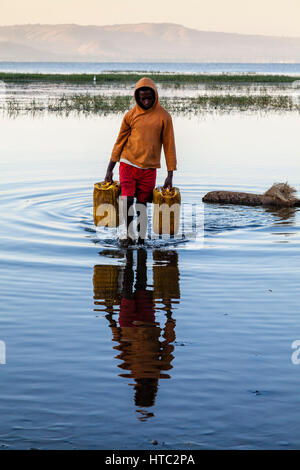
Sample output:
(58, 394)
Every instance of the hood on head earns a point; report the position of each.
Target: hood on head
(146, 82)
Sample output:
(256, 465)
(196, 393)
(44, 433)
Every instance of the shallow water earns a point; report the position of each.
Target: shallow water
(183, 67)
(185, 343)
(16, 97)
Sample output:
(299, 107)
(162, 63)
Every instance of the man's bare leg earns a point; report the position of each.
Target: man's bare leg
(127, 211)
(143, 221)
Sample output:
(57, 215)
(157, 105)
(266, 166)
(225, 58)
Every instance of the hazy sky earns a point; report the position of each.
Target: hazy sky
(276, 17)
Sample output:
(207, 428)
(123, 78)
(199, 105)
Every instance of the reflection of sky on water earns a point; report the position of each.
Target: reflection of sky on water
(247, 151)
(234, 313)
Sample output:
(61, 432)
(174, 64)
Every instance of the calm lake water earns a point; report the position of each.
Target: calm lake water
(188, 344)
(182, 67)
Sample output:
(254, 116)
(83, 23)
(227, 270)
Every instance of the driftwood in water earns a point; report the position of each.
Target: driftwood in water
(279, 195)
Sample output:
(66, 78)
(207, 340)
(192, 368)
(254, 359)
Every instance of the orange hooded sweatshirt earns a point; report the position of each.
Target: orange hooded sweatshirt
(143, 133)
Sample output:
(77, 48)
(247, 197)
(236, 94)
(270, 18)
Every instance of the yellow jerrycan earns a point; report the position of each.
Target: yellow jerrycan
(166, 213)
(106, 204)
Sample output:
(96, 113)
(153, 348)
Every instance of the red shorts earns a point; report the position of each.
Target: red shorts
(136, 182)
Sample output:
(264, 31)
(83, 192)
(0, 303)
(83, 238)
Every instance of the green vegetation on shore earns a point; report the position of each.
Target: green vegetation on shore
(128, 78)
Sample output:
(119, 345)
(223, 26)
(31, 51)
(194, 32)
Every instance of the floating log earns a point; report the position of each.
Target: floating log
(278, 195)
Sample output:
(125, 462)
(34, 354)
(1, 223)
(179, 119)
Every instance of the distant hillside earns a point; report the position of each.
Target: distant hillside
(10, 51)
(145, 42)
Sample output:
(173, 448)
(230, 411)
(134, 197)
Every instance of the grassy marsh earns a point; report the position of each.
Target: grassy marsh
(173, 79)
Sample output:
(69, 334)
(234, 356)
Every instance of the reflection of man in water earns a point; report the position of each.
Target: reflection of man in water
(140, 348)
(144, 348)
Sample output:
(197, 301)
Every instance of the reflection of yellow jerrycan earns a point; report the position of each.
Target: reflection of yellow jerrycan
(106, 207)
(166, 214)
(166, 275)
(107, 282)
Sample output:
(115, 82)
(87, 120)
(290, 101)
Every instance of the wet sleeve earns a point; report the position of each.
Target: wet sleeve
(121, 140)
(168, 141)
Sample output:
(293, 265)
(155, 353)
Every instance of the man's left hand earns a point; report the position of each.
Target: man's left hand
(168, 182)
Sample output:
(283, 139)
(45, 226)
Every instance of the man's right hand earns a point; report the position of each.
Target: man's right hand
(109, 177)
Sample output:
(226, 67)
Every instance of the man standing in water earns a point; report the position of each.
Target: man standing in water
(144, 130)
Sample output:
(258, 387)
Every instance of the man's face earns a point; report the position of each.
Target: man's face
(146, 98)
